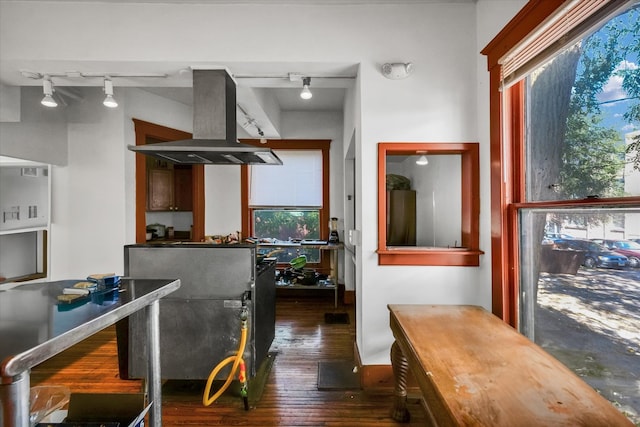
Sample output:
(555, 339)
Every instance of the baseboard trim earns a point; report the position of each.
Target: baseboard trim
(380, 377)
(349, 297)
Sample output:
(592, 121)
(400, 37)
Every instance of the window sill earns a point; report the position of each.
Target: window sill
(416, 255)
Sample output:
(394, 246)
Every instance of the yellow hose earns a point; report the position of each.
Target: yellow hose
(236, 359)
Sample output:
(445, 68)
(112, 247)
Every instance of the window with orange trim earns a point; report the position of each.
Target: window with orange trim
(428, 204)
(289, 202)
(564, 176)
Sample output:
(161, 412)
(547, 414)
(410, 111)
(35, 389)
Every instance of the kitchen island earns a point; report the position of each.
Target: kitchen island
(200, 324)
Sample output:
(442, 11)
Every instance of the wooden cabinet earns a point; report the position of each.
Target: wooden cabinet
(169, 188)
(183, 190)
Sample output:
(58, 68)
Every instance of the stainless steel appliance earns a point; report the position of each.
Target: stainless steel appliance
(200, 323)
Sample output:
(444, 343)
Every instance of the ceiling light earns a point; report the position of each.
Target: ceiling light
(422, 161)
(232, 158)
(266, 158)
(109, 101)
(306, 93)
(47, 89)
(263, 140)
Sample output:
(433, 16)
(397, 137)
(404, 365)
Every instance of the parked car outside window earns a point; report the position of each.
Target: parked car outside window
(549, 238)
(628, 248)
(596, 255)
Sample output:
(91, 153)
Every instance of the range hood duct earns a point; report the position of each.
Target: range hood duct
(214, 129)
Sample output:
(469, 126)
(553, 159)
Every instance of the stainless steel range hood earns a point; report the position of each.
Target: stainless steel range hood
(214, 129)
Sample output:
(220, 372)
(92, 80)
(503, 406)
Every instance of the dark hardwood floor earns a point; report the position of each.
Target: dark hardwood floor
(290, 396)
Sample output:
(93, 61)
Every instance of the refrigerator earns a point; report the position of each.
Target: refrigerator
(401, 218)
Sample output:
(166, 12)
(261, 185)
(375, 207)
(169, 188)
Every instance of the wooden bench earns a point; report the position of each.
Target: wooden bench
(474, 369)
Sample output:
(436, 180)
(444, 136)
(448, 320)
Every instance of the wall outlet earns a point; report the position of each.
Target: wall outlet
(13, 214)
(353, 237)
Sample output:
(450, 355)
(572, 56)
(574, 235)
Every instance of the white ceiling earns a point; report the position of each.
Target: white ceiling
(319, 2)
(258, 84)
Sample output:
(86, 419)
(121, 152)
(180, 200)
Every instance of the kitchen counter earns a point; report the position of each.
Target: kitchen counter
(202, 318)
(160, 242)
(34, 326)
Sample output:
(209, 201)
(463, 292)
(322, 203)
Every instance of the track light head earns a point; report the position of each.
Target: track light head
(306, 93)
(47, 89)
(109, 100)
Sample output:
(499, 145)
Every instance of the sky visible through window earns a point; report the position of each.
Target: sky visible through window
(614, 100)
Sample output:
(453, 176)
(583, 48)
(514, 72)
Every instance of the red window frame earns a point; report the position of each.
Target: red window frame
(324, 146)
(506, 110)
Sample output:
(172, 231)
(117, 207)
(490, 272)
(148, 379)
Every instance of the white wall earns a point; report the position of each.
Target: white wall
(87, 201)
(445, 100)
(93, 197)
(39, 135)
(435, 104)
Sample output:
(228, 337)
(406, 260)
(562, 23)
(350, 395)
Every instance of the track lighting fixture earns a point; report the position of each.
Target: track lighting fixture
(422, 160)
(47, 89)
(109, 100)
(306, 93)
(263, 140)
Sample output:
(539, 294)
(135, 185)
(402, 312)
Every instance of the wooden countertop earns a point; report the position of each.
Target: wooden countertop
(474, 369)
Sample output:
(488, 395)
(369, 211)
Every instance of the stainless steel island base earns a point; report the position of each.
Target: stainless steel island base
(35, 327)
(200, 324)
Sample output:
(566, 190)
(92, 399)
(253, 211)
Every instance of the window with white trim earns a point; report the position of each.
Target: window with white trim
(287, 203)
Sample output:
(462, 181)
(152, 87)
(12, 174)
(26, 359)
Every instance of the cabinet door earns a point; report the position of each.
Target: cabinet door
(160, 191)
(183, 193)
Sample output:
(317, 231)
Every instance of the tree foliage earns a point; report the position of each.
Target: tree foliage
(287, 224)
(604, 56)
(592, 159)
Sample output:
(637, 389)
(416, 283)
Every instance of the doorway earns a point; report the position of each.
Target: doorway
(168, 181)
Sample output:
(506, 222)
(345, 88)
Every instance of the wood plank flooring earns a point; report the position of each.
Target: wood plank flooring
(290, 396)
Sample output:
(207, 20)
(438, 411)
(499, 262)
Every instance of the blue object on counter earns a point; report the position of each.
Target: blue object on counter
(105, 280)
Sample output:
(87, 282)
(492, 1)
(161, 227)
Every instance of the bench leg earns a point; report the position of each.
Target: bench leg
(400, 367)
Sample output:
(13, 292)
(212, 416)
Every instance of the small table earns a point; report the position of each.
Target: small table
(35, 327)
(474, 369)
(333, 248)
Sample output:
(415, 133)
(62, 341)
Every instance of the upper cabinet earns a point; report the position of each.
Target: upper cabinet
(428, 204)
(169, 186)
(166, 193)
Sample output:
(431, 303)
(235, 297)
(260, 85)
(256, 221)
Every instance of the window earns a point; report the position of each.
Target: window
(289, 202)
(428, 204)
(565, 109)
(25, 189)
